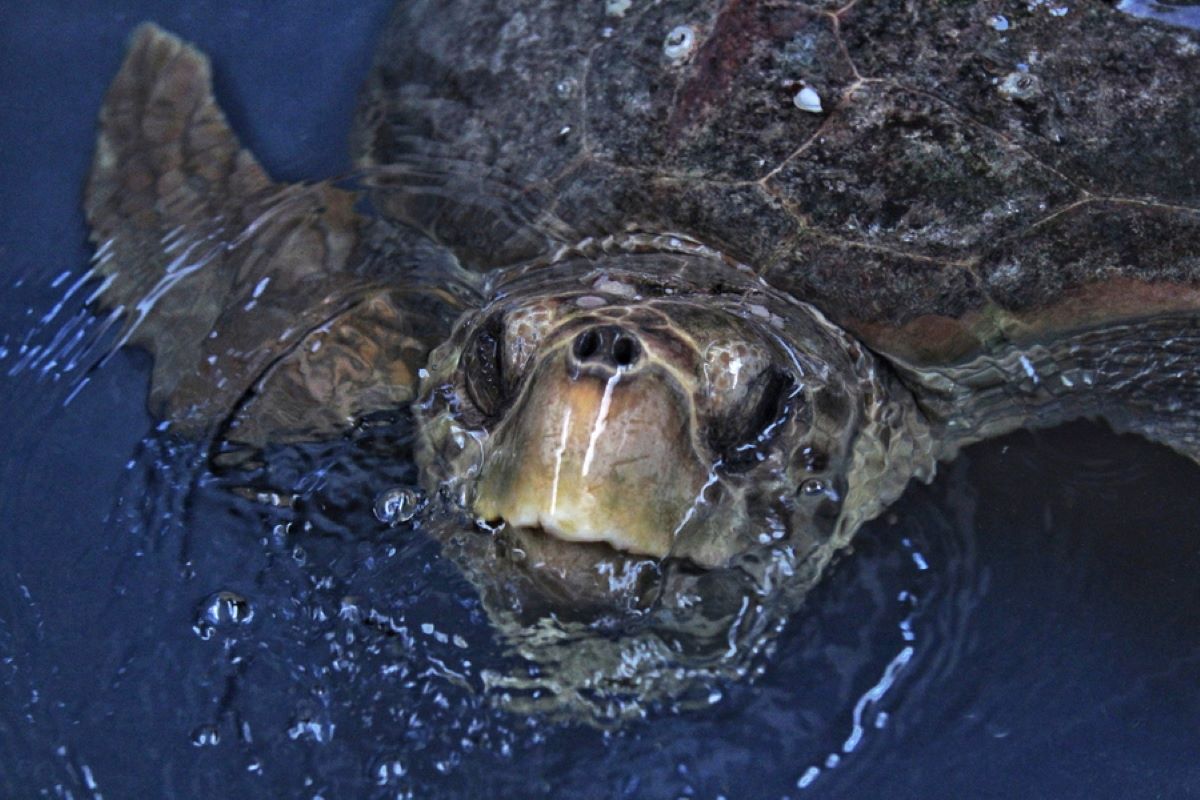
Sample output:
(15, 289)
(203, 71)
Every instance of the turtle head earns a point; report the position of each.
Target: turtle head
(660, 412)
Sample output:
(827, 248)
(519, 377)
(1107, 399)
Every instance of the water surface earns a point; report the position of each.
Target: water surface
(1026, 626)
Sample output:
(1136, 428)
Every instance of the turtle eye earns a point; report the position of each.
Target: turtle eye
(740, 439)
(483, 367)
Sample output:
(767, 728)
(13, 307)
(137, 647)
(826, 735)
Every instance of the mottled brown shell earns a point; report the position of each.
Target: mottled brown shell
(979, 172)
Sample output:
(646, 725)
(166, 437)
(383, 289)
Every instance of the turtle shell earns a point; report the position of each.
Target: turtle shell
(939, 178)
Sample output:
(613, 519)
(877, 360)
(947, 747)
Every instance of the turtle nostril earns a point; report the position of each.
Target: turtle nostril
(586, 345)
(625, 351)
(608, 346)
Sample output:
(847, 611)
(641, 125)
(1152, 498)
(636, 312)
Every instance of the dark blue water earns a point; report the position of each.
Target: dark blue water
(1024, 627)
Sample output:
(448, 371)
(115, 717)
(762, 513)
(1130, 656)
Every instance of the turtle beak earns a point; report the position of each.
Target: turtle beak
(598, 449)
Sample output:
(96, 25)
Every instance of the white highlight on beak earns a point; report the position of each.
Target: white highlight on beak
(558, 454)
(696, 502)
(601, 422)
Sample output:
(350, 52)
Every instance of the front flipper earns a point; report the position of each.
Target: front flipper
(363, 360)
(222, 274)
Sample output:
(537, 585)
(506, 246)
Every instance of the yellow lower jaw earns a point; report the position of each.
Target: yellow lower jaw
(569, 525)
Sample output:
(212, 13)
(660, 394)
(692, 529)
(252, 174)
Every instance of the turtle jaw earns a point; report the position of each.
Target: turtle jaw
(571, 525)
(595, 457)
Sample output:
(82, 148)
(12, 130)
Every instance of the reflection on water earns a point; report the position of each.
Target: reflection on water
(1042, 590)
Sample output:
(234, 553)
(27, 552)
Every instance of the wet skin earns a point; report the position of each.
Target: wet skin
(637, 424)
(617, 402)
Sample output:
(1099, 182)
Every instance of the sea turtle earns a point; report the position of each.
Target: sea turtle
(681, 293)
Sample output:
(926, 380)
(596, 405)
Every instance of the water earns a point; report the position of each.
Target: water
(1173, 12)
(1026, 626)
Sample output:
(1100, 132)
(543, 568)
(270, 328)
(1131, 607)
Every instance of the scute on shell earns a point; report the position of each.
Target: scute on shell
(933, 209)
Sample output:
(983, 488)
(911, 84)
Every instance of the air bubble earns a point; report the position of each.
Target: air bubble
(306, 725)
(398, 505)
(222, 610)
(388, 771)
(565, 89)
(813, 487)
(349, 610)
(206, 736)
(680, 43)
